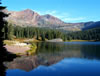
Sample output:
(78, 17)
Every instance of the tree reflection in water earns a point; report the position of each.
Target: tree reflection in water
(5, 56)
(51, 53)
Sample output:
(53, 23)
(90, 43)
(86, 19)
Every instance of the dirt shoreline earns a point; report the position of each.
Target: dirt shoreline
(17, 49)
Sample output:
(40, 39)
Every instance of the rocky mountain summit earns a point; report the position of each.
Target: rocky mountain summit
(31, 18)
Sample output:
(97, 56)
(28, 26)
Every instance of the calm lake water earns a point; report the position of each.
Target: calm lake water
(59, 59)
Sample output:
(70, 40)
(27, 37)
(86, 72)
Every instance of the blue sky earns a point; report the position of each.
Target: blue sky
(67, 10)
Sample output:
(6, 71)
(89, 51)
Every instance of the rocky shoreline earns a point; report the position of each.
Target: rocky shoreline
(17, 49)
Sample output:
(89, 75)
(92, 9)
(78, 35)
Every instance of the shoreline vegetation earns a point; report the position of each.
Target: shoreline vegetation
(28, 47)
(44, 34)
(21, 40)
(20, 48)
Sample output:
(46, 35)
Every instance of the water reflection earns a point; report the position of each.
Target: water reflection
(73, 57)
(4, 56)
(88, 50)
(66, 67)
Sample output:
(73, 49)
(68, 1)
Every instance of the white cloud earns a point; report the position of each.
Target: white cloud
(74, 19)
(47, 12)
(62, 15)
(52, 12)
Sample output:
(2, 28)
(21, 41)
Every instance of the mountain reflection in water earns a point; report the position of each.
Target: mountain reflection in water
(59, 59)
(66, 67)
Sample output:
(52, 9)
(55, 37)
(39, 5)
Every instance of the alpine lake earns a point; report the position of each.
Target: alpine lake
(58, 59)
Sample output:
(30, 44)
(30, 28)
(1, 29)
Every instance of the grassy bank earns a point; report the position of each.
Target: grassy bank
(20, 48)
(80, 40)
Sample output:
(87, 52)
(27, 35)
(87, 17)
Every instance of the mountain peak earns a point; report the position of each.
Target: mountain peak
(29, 17)
(48, 16)
(28, 11)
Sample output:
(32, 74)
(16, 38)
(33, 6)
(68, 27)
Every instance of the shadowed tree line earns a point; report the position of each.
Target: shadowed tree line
(45, 33)
(91, 34)
(4, 55)
(32, 32)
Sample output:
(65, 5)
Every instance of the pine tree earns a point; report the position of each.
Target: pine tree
(10, 32)
(37, 36)
(2, 49)
(43, 37)
(4, 55)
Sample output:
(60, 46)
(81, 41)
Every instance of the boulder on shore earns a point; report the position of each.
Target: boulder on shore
(55, 40)
(17, 49)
